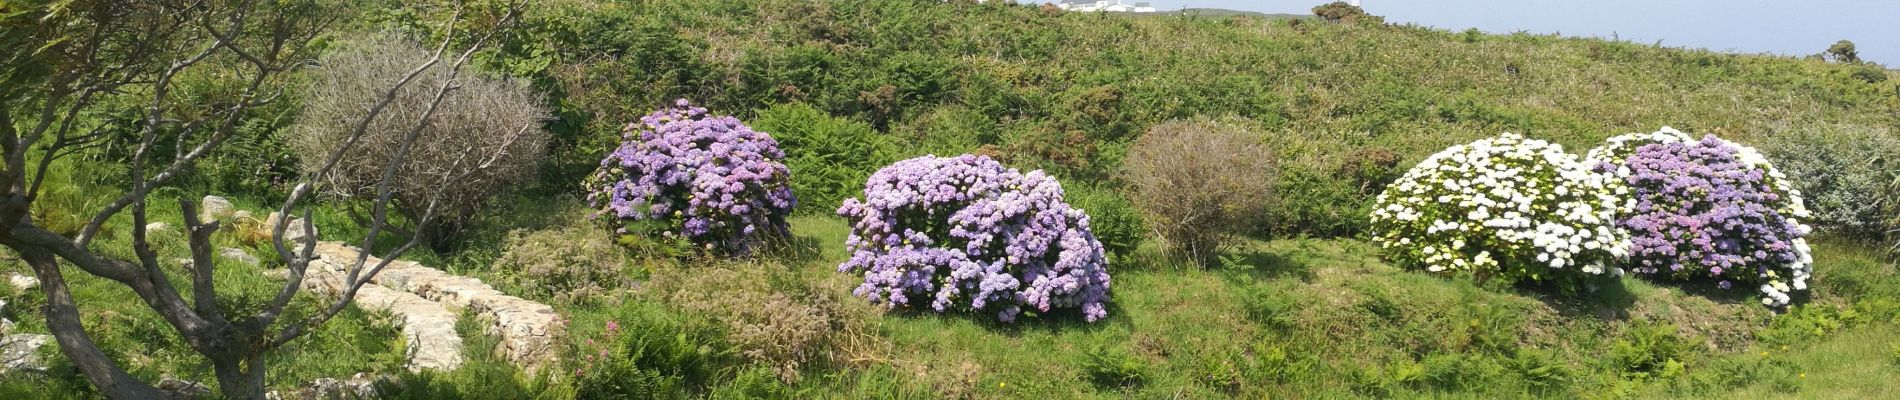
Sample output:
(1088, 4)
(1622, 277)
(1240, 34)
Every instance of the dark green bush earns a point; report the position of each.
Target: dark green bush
(1115, 222)
(830, 157)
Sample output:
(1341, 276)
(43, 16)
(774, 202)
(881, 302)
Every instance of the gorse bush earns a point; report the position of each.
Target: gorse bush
(683, 174)
(1199, 183)
(832, 155)
(1710, 209)
(1845, 174)
(1505, 207)
(966, 232)
(484, 138)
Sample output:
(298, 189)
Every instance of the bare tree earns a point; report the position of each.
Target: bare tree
(483, 139)
(62, 59)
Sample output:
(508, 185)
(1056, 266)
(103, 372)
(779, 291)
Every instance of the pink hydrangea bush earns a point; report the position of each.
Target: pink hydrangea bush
(967, 233)
(683, 174)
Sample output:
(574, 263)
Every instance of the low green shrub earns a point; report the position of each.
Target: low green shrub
(646, 353)
(1650, 350)
(1114, 220)
(1112, 366)
(570, 264)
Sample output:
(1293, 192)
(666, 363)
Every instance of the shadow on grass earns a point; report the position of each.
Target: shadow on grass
(1054, 321)
(1608, 300)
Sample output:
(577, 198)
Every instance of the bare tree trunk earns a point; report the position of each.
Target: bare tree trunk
(62, 318)
(240, 374)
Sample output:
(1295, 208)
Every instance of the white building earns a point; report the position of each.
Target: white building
(1104, 6)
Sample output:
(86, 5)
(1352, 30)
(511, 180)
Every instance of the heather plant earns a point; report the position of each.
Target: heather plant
(571, 264)
(967, 233)
(1200, 183)
(1701, 209)
(1504, 207)
(685, 175)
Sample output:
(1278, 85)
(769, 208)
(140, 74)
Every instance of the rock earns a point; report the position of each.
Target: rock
(23, 282)
(527, 329)
(159, 226)
(295, 232)
(428, 327)
(183, 389)
(241, 215)
(239, 256)
(357, 387)
(6, 326)
(214, 208)
(21, 351)
(270, 222)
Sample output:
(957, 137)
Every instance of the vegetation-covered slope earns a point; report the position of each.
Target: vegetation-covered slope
(1303, 309)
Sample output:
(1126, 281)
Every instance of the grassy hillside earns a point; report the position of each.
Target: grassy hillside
(1304, 308)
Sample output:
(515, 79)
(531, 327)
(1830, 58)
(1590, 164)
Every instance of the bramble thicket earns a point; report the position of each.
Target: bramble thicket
(928, 199)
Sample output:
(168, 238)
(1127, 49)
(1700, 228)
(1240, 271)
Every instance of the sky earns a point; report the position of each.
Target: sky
(1796, 28)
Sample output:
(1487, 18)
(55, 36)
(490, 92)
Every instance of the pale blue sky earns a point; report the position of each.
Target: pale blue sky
(1750, 26)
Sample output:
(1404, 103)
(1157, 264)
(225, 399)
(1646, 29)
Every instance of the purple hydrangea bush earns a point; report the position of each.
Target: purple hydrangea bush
(1706, 210)
(967, 233)
(683, 174)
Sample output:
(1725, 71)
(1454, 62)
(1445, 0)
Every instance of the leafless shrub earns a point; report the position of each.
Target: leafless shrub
(1199, 182)
(485, 137)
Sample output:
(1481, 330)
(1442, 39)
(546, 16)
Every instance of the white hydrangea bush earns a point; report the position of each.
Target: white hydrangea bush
(1505, 207)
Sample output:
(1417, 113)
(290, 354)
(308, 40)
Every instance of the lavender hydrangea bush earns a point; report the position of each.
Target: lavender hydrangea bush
(1713, 209)
(683, 174)
(967, 233)
(1504, 207)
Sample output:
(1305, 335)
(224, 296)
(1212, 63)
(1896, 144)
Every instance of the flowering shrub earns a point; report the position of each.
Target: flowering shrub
(1713, 209)
(972, 234)
(683, 174)
(1506, 207)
